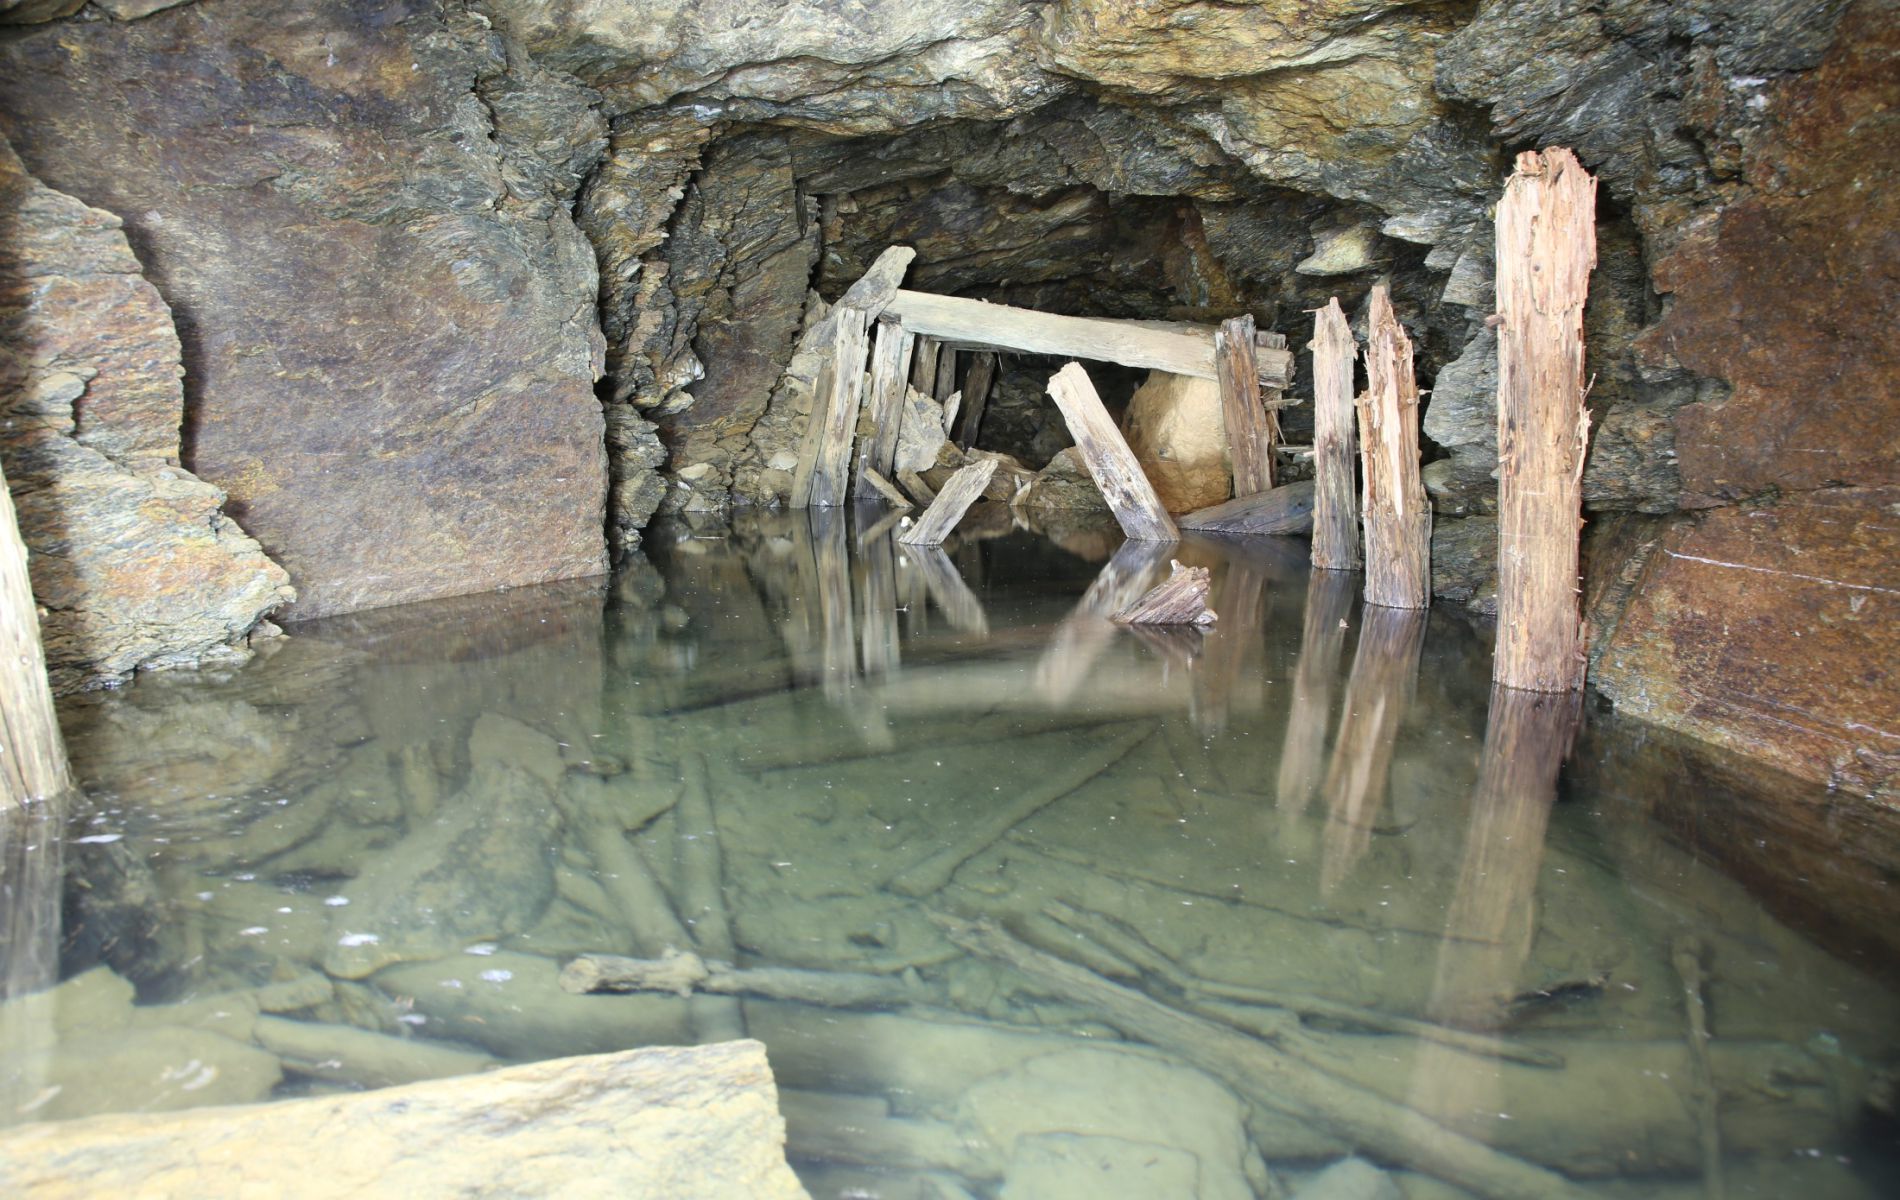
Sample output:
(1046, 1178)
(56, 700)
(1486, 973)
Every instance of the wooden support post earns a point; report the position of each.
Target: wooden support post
(822, 477)
(32, 755)
(1110, 462)
(1398, 515)
(1180, 599)
(923, 364)
(958, 494)
(1545, 252)
(1249, 436)
(890, 372)
(976, 393)
(946, 381)
(1335, 498)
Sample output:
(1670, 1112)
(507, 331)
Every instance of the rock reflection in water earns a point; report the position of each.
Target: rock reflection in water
(792, 749)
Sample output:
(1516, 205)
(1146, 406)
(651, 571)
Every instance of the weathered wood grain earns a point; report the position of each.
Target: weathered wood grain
(1109, 460)
(1249, 430)
(961, 491)
(1335, 494)
(1398, 516)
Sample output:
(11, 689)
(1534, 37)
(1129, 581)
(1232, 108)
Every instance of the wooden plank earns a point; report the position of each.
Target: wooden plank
(871, 483)
(976, 393)
(951, 503)
(824, 459)
(1249, 436)
(917, 487)
(1181, 348)
(32, 755)
(950, 405)
(923, 363)
(1335, 500)
(946, 378)
(1110, 462)
(1398, 517)
(1180, 599)
(1285, 509)
(1546, 250)
(890, 371)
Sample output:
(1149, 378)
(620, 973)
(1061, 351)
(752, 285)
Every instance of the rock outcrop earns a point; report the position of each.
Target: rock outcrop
(134, 564)
(358, 214)
(693, 1123)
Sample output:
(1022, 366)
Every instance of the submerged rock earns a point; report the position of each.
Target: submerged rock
(699, 1123)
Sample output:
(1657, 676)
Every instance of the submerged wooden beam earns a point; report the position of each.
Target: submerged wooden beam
(976, 393)
(32, 755)
(1249, 430)
(1397, 514)
(1110, 462)
(1180, 599)
(890, 371)
(1335, 498)
(958, 494)
(1159, 346)
(1545, 252)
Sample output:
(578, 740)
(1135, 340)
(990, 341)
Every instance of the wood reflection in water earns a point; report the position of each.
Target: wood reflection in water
(30, 860)
(1492, 917)
(1081, 638)
(1329, 597)
(876, 576)
(1230, 672)
(943, 584)
(1384, 674)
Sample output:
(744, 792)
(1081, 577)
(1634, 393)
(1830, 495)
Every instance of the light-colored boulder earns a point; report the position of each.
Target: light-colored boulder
(672, 1124)
(1175, 428)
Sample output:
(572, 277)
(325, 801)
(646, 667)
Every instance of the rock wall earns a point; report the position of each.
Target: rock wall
(133, 564)
(357, 212)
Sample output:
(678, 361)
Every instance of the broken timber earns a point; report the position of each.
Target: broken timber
(1249, 429)
(890, 370)
(1180, 599)
(1160, 346)
(951, 503)
(976, 392)
(1545, 251)
(821, 477)
(1335, 499)
(1109, 460)
(1398, 517)
(32, 755)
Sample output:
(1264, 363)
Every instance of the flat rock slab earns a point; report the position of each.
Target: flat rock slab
(666, 1124)
(1285, 509)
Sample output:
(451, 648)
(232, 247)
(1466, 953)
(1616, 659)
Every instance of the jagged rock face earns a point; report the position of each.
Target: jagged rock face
(357, 212)
(132, 562)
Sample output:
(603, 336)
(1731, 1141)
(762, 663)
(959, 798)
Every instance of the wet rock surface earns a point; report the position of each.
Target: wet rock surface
(133, 563)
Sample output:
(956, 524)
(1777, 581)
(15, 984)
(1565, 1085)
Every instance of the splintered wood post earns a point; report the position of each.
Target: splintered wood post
(870, 483)
(976, 393)
(822, 476)
(1180, 599)
(890, 370)
(1397, 513)
(1335, 498)
(958, 494)
(1249, 434)
(923, 363)
(1546, 250)
(946, 381)
(1110, 462)
(32, 754)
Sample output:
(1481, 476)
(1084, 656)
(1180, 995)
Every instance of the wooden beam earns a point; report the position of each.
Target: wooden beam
(890, 371)
(1110, 462)
(1335, 501)
(976, 393)
(1181, 348)
(923, 362)
(1397, 514)
(946, 381)
(1286, 509)
(1546, 250)
(32, 755)
(1249, 436)
(870, 483)
(951, 503)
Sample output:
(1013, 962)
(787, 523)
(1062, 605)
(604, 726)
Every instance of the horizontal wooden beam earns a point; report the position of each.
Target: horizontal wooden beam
(1179, 347)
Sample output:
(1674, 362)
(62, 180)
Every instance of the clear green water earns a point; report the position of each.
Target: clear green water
(365, 857)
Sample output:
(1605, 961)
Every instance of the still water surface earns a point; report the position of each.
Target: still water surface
(1318, 880)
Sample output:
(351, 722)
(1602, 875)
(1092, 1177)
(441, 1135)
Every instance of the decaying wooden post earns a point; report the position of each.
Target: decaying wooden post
(32, 755)
(1335, 498)
(1249, 430)
(1398, 516)
(946, 382)
(890, 371)
(1110, 462)
(1546, 250)
(976, 393)
(923, 364)
(823, 474)
(959, 492)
